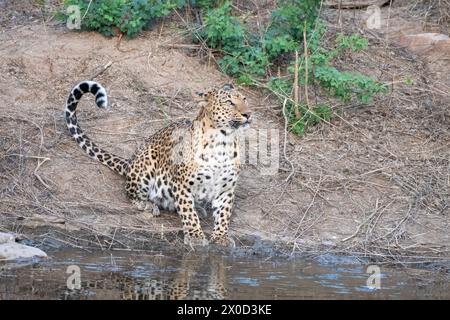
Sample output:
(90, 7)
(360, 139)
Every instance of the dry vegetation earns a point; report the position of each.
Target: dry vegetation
(375, 182)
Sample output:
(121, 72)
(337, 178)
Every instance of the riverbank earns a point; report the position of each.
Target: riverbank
(373, 183)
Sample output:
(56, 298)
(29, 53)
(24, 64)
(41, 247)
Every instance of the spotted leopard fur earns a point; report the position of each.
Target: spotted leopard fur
(185, 166)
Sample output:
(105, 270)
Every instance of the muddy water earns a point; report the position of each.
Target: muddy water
(126, 275)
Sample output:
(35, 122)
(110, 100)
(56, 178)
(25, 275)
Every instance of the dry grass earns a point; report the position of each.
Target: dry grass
(381, 168)
(434, 13)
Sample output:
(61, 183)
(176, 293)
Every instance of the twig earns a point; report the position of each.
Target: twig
(305, 44)
(181, 46)
(286, 96)
(119, 41)
(87, 9)
(153, 69)
(25, 156)
(297, 112)
(340, 14)
(105, 67)
(199, 38)
(37, 175)
(160, 31)
(307, 210)
(113, 238)
(388, 24)
(286, 120)
(362, 224)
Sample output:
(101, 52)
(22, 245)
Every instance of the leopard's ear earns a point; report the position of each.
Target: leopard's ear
(203, 96)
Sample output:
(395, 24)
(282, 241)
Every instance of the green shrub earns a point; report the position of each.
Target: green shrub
(205, 4)
(247, 58)
(346, 84)
(223, 30)
(342, 84)
(244, 55)
(310, 117)
(128, 17)
(287, 23)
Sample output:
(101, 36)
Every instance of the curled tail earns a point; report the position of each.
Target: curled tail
(118, 164)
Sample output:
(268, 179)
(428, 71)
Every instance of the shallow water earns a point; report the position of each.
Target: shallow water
(127, 275)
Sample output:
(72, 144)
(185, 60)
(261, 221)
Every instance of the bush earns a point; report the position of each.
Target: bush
(287, 23)
(248, 59)
(128, 17)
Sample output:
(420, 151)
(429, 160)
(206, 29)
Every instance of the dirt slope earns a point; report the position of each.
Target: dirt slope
(376, 182)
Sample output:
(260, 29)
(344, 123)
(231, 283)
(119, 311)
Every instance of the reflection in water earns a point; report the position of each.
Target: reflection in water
(153, 276)
(180, 286)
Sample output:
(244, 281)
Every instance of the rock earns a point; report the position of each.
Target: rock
(426, 43)
(348, 4)
(14, 251)
(11, 250)
(433, 48)
(6, 237)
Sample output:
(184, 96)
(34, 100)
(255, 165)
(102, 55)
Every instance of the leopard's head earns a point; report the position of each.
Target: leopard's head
(226, 108)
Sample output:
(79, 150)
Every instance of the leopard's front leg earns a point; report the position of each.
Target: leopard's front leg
(222, 213)
(193, 233)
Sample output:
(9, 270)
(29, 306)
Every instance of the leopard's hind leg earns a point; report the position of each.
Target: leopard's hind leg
(137, 188)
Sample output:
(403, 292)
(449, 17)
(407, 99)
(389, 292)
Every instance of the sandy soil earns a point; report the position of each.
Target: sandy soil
(375, 182)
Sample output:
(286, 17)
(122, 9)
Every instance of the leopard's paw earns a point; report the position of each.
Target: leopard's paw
(196, 240)
(223, 240)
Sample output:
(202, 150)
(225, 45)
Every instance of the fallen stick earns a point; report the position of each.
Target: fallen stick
(105, 67)
(182, 46)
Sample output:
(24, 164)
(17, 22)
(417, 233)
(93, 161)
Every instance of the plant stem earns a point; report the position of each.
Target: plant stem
(296, 98)
(305, 44)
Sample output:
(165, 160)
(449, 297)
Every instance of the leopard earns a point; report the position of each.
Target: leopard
(188, 166)
(194, 278)
(184, 284)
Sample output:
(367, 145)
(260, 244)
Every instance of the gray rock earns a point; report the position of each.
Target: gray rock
(6, 237)
(11, 250)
